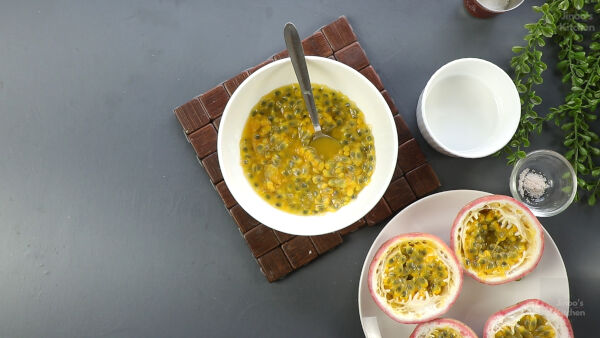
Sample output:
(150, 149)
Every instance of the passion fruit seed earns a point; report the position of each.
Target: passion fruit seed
(412, 269)
(444, 332)
(529, 326)
(490, 247)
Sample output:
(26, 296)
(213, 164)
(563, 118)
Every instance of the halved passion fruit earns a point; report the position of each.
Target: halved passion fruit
(529, 318)
(497, 239)
(414, 278)
(443, 328)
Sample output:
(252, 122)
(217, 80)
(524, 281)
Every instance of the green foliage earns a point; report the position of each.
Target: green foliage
(566, 23)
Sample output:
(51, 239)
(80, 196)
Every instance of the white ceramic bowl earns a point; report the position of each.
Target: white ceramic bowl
(469, 108)
(336, 76)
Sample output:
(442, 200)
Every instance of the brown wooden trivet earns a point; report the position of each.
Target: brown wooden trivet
(278, 253)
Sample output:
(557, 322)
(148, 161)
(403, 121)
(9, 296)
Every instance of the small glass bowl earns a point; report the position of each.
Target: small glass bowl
(560, 179)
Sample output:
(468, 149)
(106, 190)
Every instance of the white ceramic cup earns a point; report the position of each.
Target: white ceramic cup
(469, 108)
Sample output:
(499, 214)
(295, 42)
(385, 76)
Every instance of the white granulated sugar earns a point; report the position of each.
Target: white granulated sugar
(532, 184)
(497, 5)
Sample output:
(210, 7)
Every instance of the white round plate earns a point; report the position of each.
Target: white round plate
(476, 302)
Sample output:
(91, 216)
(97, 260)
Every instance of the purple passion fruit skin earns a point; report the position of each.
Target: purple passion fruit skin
(414, 278)
(443, 328)
(497, 239)
(529, 318)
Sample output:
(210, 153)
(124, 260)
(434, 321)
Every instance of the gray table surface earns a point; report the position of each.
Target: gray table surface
(108, 225)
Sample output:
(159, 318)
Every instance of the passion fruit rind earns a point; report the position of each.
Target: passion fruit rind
(414, 278)
(497, 239)
(531, 317)
(439, 327)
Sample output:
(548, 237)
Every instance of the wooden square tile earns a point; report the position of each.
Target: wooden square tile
(339, 33)
(371, 75)
(399, 194)
(191, 116)
(232, 84)
(299, 251)
(211, 165)
(261, 239)
(410, 155)
(324, 243)
(282, 236)
(225, 194)
(380, 212)
(244, 221)
(204, 140)
(353, 55)
(274, 265)
(215, 101)
(423, 180)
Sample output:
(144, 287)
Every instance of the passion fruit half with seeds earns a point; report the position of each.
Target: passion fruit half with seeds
(443, 328)
(529, 318)
(414, 278)
(497, 239)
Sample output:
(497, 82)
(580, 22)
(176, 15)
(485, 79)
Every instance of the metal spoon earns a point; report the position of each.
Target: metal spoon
(325, 145)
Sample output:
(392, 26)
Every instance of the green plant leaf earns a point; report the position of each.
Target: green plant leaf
(563, 5)
(563, 65)
(567, 126)
(541, 42)
(518, 49)
(536, 99)
(547, 32)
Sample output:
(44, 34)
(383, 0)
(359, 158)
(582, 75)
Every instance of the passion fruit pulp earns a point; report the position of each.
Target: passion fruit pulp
(497, 239)
(443, 328)
(528, 325)
(413, 270)
(414, 278)
(529, 318)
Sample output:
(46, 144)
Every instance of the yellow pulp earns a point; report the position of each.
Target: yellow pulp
(413, 268)
(325, 146)
(490, 249)
(286, 170)
(444, 332)
(529, 326)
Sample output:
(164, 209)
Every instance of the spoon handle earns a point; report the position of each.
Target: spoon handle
(294, 47)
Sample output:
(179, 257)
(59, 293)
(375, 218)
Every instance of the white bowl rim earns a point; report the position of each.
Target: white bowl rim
(358, 212)
(496, 11)
(514, 122)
